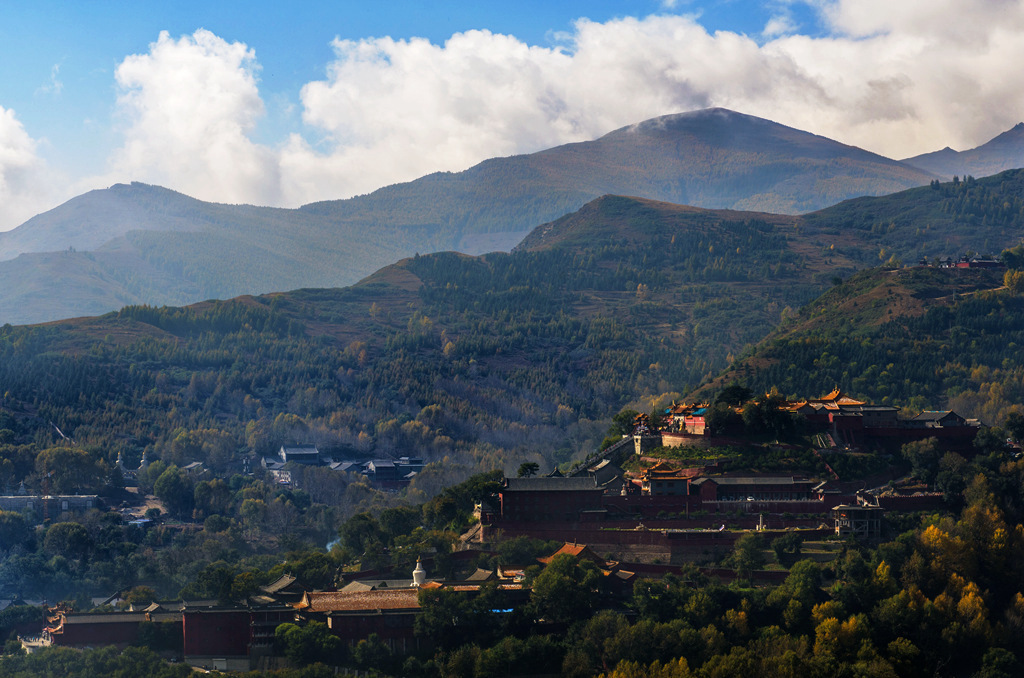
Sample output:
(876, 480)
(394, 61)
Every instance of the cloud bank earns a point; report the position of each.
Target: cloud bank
(898, 80)
(189, 106)
(23, 177)
(895, 78)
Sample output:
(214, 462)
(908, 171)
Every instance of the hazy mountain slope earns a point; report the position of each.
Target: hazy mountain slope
(713, 158)
(225, 251)
(1004, 152)
(92, 283)
(94, 218)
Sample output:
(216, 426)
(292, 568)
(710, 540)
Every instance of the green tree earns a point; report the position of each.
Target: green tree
(722, 418)
(372, 653)
(1014, 257)
(734, 394)
(175, 489)
(70, 470)
(565, 590)
(787, 548)
(765, 415)
(140, 595)
(213, 581)
(923, 456)
(747, 555)
(447, 618)
(399, 521)
(527, 469)
(308, 644)
(622, 423)
(1015, 425)
(356, 532)
(14, 531)
(69, 540)
(951, 478)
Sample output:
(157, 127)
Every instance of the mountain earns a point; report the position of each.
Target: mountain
(93, 219)
(145, 244)
(479, 359)
(485, 359)
(712, 158)
(162, 247)
(1004, 152)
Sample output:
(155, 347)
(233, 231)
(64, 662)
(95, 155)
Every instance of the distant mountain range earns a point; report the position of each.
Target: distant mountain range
(145, 244)
(1004, 152)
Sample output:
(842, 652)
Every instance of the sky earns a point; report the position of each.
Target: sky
(282, 104)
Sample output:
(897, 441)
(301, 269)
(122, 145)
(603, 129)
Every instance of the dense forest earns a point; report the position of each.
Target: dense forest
(919, 338)
(476, 358)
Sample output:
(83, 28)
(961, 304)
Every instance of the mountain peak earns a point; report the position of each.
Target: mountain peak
(1014, 135)
(689, 120)
(1001, 153)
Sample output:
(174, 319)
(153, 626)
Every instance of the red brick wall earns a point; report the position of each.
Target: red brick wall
(97, 634)
(216, 633)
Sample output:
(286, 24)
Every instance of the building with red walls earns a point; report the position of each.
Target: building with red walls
(230, 637)
(557, 498)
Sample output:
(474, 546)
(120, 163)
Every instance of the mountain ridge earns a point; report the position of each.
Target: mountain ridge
(626, 302)
(189, 250)
(1003, 152)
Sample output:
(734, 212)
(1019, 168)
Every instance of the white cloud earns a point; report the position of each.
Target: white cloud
(906, 80)
(908, 77)
(23, 179)
(394, 110)
(780, 24)
(189, 106)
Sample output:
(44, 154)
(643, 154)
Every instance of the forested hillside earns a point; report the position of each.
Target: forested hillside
(488, 359)
(481, 363)
(942, 219)
(919, 337)
(485, 358)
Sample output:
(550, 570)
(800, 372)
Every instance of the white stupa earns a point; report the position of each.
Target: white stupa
(419, 575)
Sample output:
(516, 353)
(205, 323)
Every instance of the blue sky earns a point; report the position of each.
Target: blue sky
(79, 45)
(284, 103)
